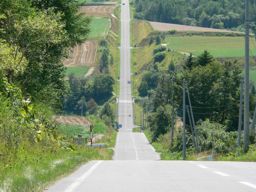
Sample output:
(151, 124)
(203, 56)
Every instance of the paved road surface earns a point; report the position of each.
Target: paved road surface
(135, 167)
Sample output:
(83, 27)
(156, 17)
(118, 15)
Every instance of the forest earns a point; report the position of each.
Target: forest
(205, 13)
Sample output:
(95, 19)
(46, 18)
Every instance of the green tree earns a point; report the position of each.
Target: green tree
(204, 59)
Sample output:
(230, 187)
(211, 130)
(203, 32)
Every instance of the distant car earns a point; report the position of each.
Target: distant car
(129, 82)
(123, 3)
(120, 126)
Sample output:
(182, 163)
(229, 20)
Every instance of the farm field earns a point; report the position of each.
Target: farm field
(98, 10)
(78, 71)
(218, 46)
(99, 27)
(84, 54)
(165, 27)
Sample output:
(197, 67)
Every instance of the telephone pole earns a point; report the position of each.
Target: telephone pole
(246, 78)
(184, 122)
(240, 114)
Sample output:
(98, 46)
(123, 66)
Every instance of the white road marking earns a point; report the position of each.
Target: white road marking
(134, 147)
(125, 101)
(202, 166)
(79, 181)
(221, 174)
(248, 184)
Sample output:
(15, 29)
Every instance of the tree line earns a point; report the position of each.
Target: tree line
(205, 13)
(214, 93)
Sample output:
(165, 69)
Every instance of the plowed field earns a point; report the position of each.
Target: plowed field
(72, 120)
(165, 27)
(84, 54)
(98, 10)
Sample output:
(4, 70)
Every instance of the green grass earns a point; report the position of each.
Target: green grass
(99, 125)
(37, 168)
(99, 27)
(72, 131)
(79, 71)
(218, 46)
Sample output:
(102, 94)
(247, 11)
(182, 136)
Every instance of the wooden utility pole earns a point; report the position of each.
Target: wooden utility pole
(184, 122)
(194, 131)
(247, 78)
(173, 113)
(240, 123)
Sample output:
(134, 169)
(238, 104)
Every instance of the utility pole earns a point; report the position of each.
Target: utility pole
(246, 78)
(194, 132)
(240, 113)
(184, 122)
(173, 117)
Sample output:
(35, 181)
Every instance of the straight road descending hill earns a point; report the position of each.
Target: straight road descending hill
(135, 168)
(129, 146)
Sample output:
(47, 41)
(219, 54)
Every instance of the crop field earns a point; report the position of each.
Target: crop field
(218, 46)
(83, 55)
(78, 71)
(99, 27)
(165, 27)
(98, 10)
(72, 120)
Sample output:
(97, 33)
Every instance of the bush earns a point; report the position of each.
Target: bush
(159, 57)
(159, 49)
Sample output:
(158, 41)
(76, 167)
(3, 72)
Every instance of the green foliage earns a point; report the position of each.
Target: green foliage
(159, 57)
(102, 88)
(107, 114)
(160, 121)
(238, 155)
(212, 136)
(149, 81)
(213, 13)
(204, 59)
(71, 131)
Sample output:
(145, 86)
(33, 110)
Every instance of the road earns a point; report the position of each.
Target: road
(136, 168)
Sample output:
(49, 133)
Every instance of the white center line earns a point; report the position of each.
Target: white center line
(248, 184)
(221, 174)
(134, 147)
(202, 166)
(79, 181)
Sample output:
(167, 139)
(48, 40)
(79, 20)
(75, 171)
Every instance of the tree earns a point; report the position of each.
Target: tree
(204, 59)
(107, 114)
(104, 61)
(160, 121)
(102, 88)
(189, 62)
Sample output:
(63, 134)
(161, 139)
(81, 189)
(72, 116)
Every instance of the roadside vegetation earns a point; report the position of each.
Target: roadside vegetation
(211, 64)
(35, 88)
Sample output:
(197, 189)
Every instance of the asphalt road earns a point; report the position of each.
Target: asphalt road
(136, 168)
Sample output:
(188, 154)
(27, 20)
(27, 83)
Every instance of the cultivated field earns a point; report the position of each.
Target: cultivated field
(72, 120)
(218, 46)
(84, 54)
(98, 10)
(165, 27)
(99, 27)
